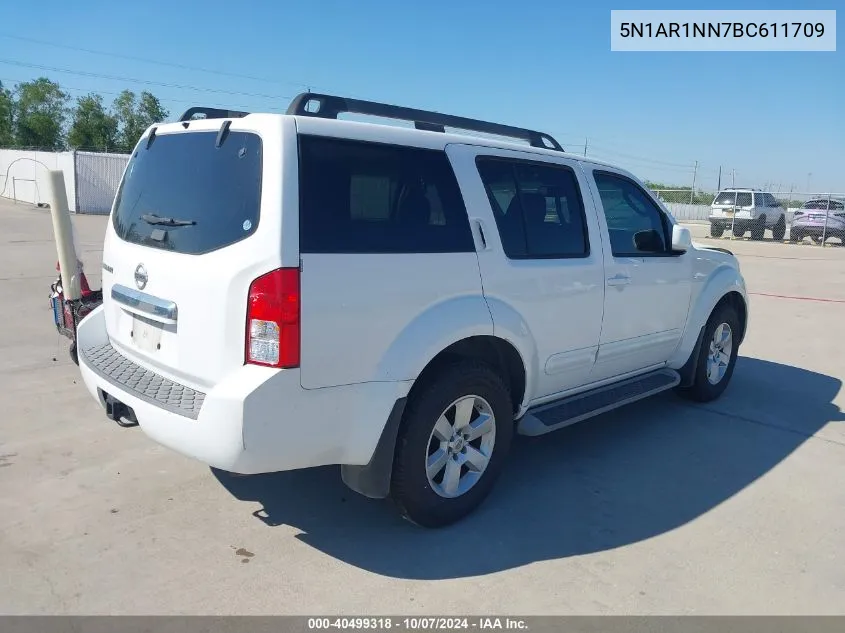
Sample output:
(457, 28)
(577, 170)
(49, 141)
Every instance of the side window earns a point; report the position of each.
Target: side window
(359, 197)
(538, 208)
(743, 199)
(636, 225)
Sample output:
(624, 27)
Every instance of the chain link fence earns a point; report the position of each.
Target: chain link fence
(97, 179)
(813, 218)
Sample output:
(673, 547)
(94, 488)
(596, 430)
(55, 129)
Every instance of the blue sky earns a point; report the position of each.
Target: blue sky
(772, 117)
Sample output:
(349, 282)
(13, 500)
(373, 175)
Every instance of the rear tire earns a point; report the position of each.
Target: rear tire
(74, 354)
(758, 230)
(716, 230)
(779, 229)
(717, 356)
(444, 467)
(738, 231)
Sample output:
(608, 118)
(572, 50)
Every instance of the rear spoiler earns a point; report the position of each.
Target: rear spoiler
(201, 112)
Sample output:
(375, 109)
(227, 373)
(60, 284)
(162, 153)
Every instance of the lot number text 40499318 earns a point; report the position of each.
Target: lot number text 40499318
(417, 623)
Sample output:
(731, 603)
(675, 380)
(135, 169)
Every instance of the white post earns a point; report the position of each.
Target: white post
(63, 231)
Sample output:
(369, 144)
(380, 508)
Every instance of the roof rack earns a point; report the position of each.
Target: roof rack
(329, 106)
(211, 113)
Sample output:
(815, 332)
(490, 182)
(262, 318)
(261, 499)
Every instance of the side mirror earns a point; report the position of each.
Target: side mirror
(681, 238)
(649, 241)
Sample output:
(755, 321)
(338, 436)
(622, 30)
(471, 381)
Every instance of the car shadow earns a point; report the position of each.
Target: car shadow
(617, 479)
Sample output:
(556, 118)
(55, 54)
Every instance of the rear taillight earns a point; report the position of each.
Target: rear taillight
(272, 319)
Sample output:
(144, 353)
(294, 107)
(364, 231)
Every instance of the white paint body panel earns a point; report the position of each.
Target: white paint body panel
(371, 323)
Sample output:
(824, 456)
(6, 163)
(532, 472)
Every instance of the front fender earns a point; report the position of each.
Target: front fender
(717, 284)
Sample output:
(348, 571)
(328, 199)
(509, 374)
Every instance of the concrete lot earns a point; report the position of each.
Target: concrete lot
(663, 507)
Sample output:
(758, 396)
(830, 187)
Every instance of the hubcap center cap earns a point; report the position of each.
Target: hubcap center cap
(456, 444)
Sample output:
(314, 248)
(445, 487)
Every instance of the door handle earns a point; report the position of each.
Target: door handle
(618, 280)
(479, 227)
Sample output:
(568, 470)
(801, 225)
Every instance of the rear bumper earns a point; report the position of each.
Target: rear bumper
(728, 222)
(255, 420)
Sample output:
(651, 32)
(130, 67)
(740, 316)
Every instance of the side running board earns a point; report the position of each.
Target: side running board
(556, 415)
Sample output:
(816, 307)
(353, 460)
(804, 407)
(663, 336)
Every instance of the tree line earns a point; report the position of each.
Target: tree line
(39, 114)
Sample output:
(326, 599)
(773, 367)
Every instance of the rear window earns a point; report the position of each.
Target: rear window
(185, 195)
(738, 198)
(835, 205)
(361, 197)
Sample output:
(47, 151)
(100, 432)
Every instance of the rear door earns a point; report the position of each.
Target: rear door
(542, 258)
(195, 220)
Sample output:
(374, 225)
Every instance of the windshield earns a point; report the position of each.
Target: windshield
(738, 198)
(185, 195)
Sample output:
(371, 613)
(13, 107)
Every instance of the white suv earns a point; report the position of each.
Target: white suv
(288, 291)
(742, 210)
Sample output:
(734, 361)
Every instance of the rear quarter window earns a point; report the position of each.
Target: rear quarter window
(211, 194)
(363, 197)
(738, 198)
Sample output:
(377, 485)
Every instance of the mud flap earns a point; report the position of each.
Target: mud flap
(373, 479)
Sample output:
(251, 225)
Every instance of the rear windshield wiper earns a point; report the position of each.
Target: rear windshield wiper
(152, 218)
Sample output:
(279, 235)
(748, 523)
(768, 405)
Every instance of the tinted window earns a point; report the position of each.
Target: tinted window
(635, 223)
(360, 197)
(538, 208)
(833, 205)
(185, 178)
(739, 198)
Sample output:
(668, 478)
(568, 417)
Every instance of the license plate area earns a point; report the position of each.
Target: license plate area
(146, 333)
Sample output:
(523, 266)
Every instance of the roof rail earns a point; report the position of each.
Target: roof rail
(211, 113)
(329, 106)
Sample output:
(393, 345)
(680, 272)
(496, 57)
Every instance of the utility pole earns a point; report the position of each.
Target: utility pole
(733, 178)
(808, 181)
(694, 174)
(585, 146)
(719, 185)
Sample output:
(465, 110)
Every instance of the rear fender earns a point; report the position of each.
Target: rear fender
(510, 326)
(431, 332)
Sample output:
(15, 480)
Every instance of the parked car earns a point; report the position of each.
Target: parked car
(819, 218)
(289, 291)
(743, 210)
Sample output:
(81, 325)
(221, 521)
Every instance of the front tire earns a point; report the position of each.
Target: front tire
(452, 445)
(717, 357)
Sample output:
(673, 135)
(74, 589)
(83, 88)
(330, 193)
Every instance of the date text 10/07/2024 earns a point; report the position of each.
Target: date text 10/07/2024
(420, 623)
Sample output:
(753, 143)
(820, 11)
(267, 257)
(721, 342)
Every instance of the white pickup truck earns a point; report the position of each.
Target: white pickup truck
(288, 291)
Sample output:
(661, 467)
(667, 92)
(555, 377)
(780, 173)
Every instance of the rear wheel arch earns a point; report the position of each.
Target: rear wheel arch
(493, 351)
